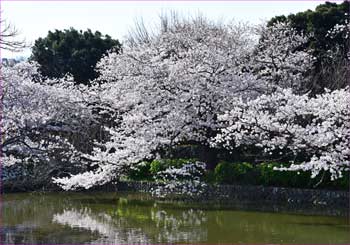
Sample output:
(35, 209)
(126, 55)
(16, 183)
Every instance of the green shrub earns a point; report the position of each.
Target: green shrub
(209, 177)
(156, 166)
(141, 171)
(302, 179)
(270, 177)
(245, 173)
(162, 164)
(224, 173)
(228, 173)
(342, 183)
(264, 174)
(146, 170)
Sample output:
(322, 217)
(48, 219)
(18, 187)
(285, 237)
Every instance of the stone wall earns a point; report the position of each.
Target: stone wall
(276, 198)
(307, 201)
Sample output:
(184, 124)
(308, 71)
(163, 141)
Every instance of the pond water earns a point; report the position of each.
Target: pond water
(114, 218)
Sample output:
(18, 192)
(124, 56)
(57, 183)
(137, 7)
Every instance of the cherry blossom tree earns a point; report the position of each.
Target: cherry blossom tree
(167, 91)
(38, 117)
(335, 68)
(168, 88)
(193, 81)
(183, 180)
(312, 132)
(280, 58)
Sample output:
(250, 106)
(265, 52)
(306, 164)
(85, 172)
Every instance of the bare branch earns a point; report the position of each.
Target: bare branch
(8, 34)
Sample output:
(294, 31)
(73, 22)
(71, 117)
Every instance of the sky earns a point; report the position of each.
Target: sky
(34, 19)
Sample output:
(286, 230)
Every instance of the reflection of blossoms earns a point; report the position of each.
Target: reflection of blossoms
(165, 226)
(188, 218)
(187, 227)
(101, 223)
(183, 180)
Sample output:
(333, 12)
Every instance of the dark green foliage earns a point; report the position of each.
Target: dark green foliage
(203, 153)
(264, 174)
(245, 174)
(318, 22)
(72, 51)
(224, 172)
(141, 172)
(210, 177)
(160, 165)
(156, 166)
(229, 173)
(341, 183)
(270, 177)
(148, 169)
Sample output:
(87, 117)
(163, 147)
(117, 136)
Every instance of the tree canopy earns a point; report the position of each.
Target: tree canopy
(194, 82)
(72, 51)
(318, 23)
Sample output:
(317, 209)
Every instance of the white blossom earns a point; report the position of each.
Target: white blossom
(318, 128)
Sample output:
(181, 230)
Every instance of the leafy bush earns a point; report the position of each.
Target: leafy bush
(264, 174)
(243, 173)
(146, 170)
(182, 180)
(162, 164)
(141, 171)
(156, 166)
(228, 173)
(270, 177)
(209, 177)
(224, 173)
(341, 183)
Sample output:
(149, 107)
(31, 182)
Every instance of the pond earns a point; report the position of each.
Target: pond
(114, 218)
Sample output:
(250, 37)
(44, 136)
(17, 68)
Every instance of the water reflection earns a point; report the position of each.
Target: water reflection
(111, 231)
(156, 225)
(109, 218)
(188, 225)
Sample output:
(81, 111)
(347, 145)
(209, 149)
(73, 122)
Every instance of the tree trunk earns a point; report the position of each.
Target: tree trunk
(209, 156)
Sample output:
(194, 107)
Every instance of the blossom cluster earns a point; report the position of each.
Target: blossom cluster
(278, 58)
(297, 126)
(38, 114)
(183, 180)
